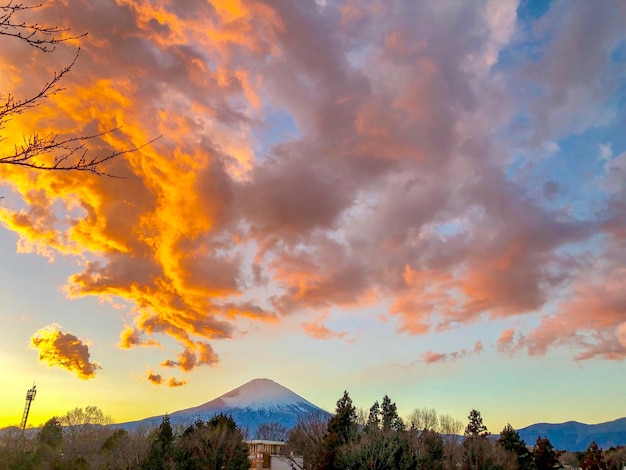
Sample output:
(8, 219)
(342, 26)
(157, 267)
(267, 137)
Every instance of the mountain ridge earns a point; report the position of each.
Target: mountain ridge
(575, 436)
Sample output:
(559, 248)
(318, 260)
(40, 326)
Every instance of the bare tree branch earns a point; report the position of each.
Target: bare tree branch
(60, 153)
(36, 35)
(69, 154)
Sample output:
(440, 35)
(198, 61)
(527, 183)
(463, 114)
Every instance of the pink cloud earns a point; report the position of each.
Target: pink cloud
(591, 321)
(506, 340)
(431, 357)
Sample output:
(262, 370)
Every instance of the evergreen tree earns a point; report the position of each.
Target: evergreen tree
(114, 440)
(49, 443)
(390, 420)
(476, 447)
(162, 451)
(343, 424)
(475, 427)
(512, 442)
(373, 420)
(431, 457)
(593, 459)
(342, 429)
(546, 457)
(215, 445)
(51, 434)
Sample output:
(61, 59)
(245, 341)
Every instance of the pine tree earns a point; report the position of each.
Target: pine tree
(373, 420)
(162, 450)
(512, 442)
(475, 427)
(390, 419)
(546, 457)
(593, 459)
(476, 447)
(343, 424)
(342, 429)
(215, 445)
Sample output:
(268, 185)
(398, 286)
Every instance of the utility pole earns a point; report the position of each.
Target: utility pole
(30, 396)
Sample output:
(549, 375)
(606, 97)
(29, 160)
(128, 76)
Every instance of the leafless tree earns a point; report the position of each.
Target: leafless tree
(449, 425)
(84, 431)
(305, 443)
(48, 151)
(424, 419)
(273, 431)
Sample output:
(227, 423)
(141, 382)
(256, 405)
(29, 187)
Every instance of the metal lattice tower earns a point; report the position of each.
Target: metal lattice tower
(30, 396)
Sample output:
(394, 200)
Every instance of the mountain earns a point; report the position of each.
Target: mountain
(574, 436)
(256, 402)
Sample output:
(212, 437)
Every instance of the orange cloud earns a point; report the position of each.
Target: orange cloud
(317, 330)
(194, 355)
(129, 338)
(173, 382)
(423, 295)
(391, 187)
(64, 350)
(155, 379)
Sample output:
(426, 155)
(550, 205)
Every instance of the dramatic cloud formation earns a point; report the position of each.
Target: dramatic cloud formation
(64, 350)
(333, 155)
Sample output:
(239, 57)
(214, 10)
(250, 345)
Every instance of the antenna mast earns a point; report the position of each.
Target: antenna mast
(30, 396)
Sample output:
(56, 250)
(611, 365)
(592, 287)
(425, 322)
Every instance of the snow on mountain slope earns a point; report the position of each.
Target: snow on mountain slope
(256, 402)
(258, 394)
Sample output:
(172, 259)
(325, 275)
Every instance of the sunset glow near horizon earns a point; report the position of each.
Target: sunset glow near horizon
(420, 199)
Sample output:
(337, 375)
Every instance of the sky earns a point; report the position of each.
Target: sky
(420, 199)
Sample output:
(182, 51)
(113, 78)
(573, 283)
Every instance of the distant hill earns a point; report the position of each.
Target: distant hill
(574, 436)
(256, 402)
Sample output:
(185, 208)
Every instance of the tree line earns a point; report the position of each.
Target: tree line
(382, 440)
(351, 439)
(84, 440)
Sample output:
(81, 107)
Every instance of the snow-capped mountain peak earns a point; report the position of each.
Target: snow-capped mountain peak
(261, 394)
(253, 403)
